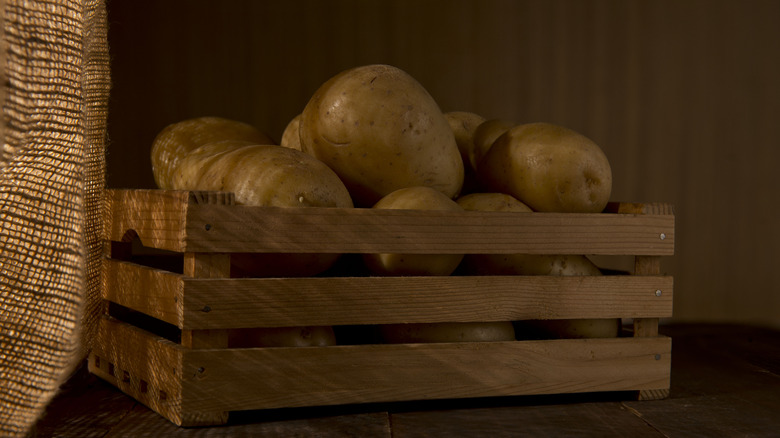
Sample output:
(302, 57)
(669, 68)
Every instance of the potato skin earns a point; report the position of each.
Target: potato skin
(310, 336)
(517, 264)
(535, 264)
(448, 332)
(291, 137)
(415, 198)
(176, 140)
(273, 176)
(485, 135)
(548, 167)
(463, 125)
(380, 130)
(266, 175)
(492, 202)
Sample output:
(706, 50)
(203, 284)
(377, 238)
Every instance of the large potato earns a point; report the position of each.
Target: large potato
(266, 175)
(178, 139)
(414, 198)
(549, 168)
(191, 166)
(380, 130)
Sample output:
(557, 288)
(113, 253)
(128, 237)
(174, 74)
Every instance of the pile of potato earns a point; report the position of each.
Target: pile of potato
(373, 137)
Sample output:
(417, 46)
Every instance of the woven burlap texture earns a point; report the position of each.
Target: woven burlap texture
(52, 170)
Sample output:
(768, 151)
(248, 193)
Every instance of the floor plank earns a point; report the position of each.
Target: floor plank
(142, 422)
(609, 419)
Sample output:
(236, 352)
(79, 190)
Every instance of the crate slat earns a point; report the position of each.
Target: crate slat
(173, 220)
(191, 303)
(312, 230)
(201, 385)
(293, 377)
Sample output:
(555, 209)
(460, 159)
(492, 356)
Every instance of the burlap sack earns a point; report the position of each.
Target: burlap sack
(52, 166)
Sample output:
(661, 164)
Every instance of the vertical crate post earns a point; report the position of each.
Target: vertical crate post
(205, 265)
(647, 265)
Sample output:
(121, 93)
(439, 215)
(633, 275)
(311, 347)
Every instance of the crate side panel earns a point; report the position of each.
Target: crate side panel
(154, 292)
(361, 230)
(142, 365)
(278, 302)
(291, 377)
(157, 217)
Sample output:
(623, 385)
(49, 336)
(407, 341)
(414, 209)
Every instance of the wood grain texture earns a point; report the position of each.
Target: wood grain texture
(192, 303)
(583, 419)
(196, 386)
(154, 292)
(271, 229)
(285, 377)
(147, 368)
(370, 300)
(205, 265)
(157, 218)
(170, 220)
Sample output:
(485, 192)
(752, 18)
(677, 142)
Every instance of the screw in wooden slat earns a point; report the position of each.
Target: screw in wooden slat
(658, 293)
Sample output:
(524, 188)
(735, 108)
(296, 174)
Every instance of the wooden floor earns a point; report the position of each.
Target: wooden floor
(725, 383)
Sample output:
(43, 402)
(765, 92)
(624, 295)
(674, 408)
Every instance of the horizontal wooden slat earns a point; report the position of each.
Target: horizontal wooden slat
(157, 217)
(288, 377)
(191, 303)
(208, 222)
(271, 229)
(274, 302)
(154, 292)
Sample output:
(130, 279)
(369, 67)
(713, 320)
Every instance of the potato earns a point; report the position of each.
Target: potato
(316, 336)
(518, 264)
(291, 137)
(463, 125)
(549, 168)
(448, 332)
(492, 202)
(568, 328)
(266, 175)
(484, 136)
(415, 198)
(191, 166)
(380, 130)
(178, 139)
(534, 264)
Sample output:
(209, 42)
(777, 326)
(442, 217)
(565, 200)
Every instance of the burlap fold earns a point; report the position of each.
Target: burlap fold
(51, 182)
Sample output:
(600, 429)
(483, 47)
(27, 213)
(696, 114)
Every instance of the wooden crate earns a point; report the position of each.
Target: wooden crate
(175, 358)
